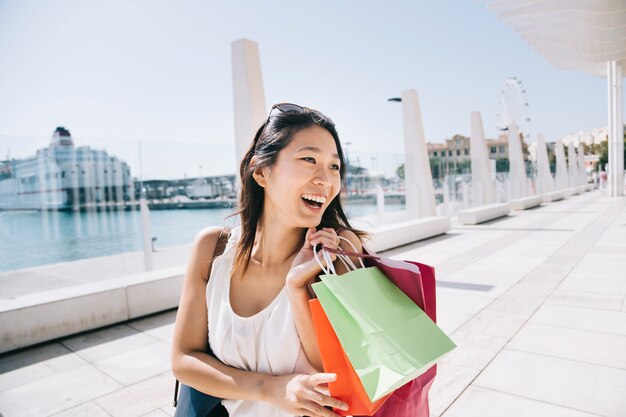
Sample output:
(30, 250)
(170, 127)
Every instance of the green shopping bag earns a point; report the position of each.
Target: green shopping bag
(387, 337)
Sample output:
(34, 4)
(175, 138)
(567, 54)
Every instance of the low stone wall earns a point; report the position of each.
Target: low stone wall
(36, 318)
(481, 214)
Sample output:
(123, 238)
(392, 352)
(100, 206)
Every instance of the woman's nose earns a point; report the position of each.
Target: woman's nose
(323, 179)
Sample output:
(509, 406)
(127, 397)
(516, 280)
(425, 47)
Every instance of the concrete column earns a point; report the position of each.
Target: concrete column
(146, 231)
(545, 183)
(248, 95)
(582, 171)
(616, 130)
(562, 181)
(481, 170)
(420, 194)
(380, 204)
(574, 178)
(518, 185)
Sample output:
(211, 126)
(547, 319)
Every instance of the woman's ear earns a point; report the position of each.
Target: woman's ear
(259, 176)
(260, 173)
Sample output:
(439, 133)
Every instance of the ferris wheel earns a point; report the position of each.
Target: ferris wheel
(514, 108)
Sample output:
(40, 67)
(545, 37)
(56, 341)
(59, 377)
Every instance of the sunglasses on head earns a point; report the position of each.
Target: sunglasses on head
(294, 108)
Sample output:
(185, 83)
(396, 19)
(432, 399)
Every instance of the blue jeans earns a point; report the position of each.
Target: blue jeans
(193, 403)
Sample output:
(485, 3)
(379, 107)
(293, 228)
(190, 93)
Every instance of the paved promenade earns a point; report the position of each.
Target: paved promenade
(535, 301)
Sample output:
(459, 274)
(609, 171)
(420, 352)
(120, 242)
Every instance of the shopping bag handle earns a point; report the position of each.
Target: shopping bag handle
(329, 268)
(372, 255)
(342, 256)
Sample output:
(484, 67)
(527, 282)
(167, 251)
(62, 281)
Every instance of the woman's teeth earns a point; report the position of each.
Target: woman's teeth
(317, 198)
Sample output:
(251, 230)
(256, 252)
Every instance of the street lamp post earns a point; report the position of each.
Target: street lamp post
(399, 100)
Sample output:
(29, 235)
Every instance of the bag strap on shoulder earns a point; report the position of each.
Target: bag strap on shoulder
(222, 240)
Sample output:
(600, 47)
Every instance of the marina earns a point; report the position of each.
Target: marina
(31, 238)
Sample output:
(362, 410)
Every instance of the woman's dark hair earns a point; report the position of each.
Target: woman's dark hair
(270, 139)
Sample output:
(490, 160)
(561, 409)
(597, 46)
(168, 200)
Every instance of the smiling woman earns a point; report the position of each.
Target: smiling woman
(249, 306)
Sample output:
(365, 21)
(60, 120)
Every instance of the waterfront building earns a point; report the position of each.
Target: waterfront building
(64, 177)
(454, 154)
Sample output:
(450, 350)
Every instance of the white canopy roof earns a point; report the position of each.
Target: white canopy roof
(570, 34)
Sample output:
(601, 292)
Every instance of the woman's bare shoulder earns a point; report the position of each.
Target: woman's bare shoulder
(206, 239)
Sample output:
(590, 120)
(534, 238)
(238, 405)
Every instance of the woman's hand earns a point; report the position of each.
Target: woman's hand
(299, 394)
(304, 266)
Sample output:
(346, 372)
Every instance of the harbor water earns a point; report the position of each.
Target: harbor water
(34, 238)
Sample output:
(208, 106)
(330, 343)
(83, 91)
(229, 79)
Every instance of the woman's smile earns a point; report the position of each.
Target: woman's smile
(313, 201)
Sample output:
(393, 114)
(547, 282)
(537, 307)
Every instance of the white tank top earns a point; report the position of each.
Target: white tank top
(266, 342)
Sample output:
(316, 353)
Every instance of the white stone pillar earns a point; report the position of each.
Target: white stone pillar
(420, 194)
(380, 204)
(146, 232)
(582, 171)
(248, 95)
(562, 180)
(545, 183)
(481, 170)
(616, 130)
(518, 185)
(574, 178)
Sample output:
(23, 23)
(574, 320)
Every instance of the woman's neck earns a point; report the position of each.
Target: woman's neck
(275, 243)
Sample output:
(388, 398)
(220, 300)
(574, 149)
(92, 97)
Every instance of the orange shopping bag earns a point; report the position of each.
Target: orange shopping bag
(347, 387)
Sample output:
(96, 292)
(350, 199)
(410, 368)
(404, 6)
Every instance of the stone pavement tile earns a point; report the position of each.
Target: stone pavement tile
(56, 393)
(553, 239)
(563, 382)
(160, 326)
(449, 322)
(595, 348)
(481, 402)
(613, 237)
(169, 409)
(549, 272)
(139, 399)
(24, 375)
(537, 284)
(474, 350)
(610, 247)
(551, 235)
(530, 249)
(156, 413)
(604, 259)
(450, 381)
(500, 279)
(588, 319)
(585, 299)
(138, 364)
(89, 409)
(102, 343)
(515, 259)
(604, 272)
(494, 323)
(513, 302)
(596, 284)
(465, 302)
(518, 270)
(32, 364)
(602, 267)
(432, 258)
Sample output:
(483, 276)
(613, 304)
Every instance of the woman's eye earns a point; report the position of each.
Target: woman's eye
(335, 167)
(308, 159)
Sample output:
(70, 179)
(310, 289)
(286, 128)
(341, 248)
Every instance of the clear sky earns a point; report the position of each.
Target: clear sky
(118, 71)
